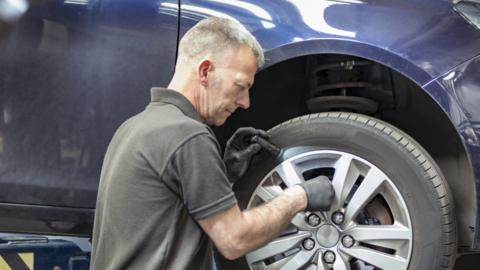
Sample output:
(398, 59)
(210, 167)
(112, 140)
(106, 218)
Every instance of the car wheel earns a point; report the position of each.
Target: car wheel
(392, 208)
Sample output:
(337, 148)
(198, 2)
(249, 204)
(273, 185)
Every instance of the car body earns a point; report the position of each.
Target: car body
(72, 71)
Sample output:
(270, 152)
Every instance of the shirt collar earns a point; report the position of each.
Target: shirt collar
(168, 96)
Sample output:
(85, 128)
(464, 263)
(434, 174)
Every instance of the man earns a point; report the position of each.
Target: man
(164, 189)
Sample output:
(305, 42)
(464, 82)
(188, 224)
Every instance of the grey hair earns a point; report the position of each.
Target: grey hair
(216, 35)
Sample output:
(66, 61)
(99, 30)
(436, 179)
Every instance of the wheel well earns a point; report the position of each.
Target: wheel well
(318, 83)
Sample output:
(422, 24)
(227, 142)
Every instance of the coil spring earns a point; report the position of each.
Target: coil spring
(332, 84)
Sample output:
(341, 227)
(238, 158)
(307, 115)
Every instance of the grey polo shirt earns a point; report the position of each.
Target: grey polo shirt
(161, 174)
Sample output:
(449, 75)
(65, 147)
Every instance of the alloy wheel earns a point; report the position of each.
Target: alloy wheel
(367, 228)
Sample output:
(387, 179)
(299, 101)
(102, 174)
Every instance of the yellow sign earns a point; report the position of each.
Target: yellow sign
(16, 261)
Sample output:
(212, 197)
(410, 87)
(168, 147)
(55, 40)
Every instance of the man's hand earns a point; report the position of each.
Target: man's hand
(239, 151)
(319, 192)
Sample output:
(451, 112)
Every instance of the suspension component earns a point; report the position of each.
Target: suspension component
(343, 85)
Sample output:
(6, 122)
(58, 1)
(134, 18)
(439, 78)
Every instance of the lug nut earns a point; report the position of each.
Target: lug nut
(329, 257)
(313, 220)
(308, 244)
(338, 218)
(348, 241)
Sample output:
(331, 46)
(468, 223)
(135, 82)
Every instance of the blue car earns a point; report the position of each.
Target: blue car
(382, 97)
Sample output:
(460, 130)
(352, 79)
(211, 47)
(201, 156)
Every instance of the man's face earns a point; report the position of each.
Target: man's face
(228, 85)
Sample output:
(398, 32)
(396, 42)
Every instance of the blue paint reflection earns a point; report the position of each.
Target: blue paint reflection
(12, 10)
(313, 14)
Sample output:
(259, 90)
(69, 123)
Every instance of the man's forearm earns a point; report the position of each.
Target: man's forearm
(235, 232)
(263, 223)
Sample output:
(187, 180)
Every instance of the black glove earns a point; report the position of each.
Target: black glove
(320, 193)
(239, 151)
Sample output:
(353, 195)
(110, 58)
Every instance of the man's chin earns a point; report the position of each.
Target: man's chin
(218, 121)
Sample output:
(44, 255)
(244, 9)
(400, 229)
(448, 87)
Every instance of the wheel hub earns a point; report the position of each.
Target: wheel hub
(327, 236)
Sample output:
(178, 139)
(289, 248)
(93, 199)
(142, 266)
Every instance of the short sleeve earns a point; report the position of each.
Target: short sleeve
(201, 177)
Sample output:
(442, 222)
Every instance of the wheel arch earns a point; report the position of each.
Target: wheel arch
(347, 47)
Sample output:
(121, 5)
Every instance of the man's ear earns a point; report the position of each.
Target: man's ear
(204, 68)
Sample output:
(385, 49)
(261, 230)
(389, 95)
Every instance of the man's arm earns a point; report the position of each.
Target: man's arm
(237, 232)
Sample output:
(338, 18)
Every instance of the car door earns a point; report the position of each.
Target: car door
(72, 71)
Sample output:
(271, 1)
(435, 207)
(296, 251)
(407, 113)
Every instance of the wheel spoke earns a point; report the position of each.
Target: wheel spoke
(386, 236)
(287, 172)
(366, 233)
(297, 261)
(268, 193)
(320, 264)
(377, 258)
(365, 192)
(343, 180)
(276, 247)
(341, 264)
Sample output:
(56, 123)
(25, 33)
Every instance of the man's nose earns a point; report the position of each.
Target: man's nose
(244, 100)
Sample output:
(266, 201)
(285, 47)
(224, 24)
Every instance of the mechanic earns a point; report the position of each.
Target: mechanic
(165, 192)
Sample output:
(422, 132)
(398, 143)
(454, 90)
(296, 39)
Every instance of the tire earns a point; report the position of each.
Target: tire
(413, 193)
